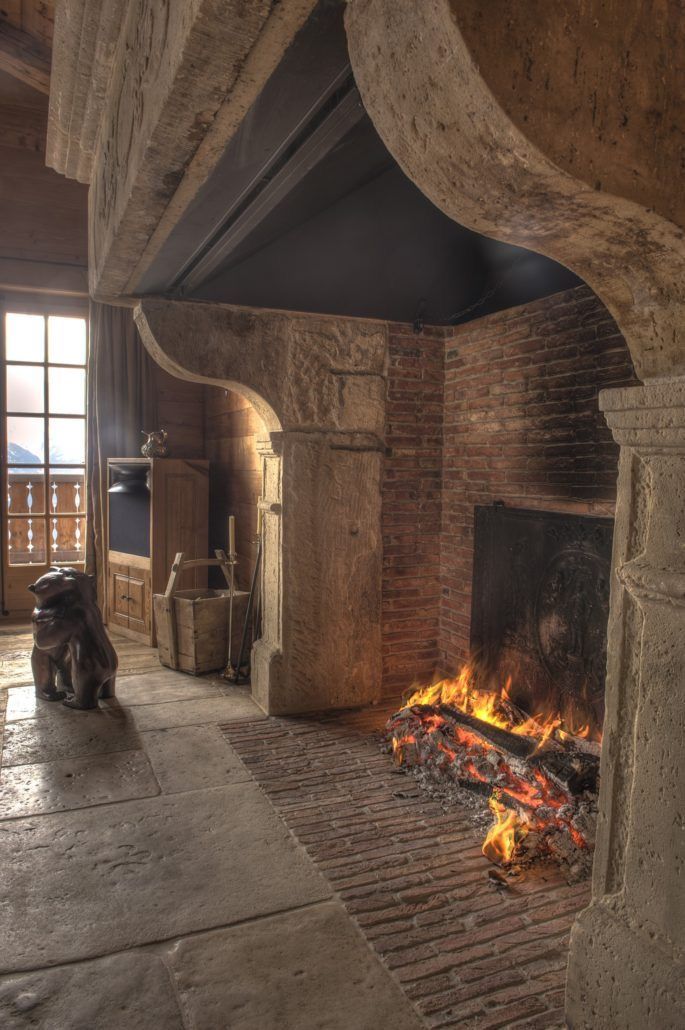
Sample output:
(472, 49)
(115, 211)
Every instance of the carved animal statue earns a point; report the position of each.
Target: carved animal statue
(72, 660)
(155, 446)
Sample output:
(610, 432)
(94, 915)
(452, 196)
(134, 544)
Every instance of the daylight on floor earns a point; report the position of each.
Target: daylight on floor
(342, 509)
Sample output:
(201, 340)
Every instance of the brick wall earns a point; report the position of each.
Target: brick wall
(503, 408)
(411, 506)
(522, 425)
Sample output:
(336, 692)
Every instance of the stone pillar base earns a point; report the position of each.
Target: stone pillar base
(266, 677)
(647, 993)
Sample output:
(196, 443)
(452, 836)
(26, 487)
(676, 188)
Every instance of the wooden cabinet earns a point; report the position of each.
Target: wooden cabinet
(129, 596)
(166, 512)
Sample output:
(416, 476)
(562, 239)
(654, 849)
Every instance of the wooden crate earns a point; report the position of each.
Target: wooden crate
(201, 626)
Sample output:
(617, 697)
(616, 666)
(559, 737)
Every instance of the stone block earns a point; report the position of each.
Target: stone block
(192, 757)
(110, 878)
(307, 970)
(75, 783)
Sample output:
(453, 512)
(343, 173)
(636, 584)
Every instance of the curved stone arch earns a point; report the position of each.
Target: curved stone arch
(318, 384)
(429, 99)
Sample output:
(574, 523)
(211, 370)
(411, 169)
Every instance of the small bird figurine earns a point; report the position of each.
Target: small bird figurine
(155, 445)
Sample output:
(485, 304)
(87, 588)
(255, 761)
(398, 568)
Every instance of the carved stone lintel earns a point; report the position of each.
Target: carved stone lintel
(130, 114)
(633, 935)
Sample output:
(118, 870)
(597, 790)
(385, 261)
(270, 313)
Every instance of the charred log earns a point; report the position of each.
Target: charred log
(551, 783)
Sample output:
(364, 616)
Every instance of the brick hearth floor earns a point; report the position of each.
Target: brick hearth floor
(413, 877)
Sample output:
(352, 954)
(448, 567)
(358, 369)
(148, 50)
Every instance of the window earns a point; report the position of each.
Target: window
(45, 438)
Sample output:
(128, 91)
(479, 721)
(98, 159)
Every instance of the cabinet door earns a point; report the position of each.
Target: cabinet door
(139, 600)
(119, 595)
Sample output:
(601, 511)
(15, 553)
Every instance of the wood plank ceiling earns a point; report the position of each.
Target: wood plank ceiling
(26, 40)
(43, 215)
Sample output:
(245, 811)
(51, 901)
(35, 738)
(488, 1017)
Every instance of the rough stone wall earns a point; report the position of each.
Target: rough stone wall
(411, 506)
(581, 80)
(522, 425)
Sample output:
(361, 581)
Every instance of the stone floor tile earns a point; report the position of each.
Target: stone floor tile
(192, 713)
(164, 685)
(305, 970)
(192, 757)
(78, 885)
(132, 991)
(67, 733)
(75, 783)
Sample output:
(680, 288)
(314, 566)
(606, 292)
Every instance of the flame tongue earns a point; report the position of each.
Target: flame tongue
(505, 833)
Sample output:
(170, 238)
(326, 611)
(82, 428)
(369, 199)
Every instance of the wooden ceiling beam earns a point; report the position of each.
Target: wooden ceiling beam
(24, 57)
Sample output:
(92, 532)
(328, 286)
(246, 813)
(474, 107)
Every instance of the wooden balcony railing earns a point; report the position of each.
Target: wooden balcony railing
(40, 532)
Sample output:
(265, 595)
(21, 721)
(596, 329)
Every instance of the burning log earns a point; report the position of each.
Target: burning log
(541, 787)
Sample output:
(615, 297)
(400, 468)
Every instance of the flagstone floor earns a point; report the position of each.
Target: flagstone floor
(147, 882)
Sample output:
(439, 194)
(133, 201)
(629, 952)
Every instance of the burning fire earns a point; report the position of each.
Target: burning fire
(484, 705)
(539, 801)
(505, 833)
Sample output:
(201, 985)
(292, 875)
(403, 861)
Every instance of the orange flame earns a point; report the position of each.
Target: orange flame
(504, 834)
(484, 705)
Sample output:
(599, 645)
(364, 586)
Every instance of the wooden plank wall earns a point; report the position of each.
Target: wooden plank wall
(231, 429)
(44, 216)
(181, 411)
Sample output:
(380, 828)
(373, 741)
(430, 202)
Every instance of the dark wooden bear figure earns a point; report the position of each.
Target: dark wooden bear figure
(72, 660)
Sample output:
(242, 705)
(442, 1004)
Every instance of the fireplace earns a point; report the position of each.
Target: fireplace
(521, 724)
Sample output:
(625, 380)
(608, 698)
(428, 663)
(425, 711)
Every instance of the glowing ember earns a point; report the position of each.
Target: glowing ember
(504, 834)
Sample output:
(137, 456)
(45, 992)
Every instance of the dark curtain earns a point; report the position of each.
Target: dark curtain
(121, 403)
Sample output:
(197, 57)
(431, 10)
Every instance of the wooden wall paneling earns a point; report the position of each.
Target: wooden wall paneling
(231, 430)
(43, 216)
(181, 411)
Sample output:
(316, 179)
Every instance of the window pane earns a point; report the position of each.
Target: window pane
(67, 391)
(26, 541)
(67, 440)
(25, 440)
(67, 539)
(24, 337)
(67, 340)
(67, 491)
(25, 492)
(25, 388)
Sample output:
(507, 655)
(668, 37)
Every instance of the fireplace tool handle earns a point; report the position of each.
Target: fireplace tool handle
(229, 672)
(238, 677)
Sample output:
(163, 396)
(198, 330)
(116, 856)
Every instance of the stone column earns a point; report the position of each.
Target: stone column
(267, 655)
(627, 961)
(322, 573)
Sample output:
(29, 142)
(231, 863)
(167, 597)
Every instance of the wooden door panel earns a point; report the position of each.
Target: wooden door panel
(119, 595)
(139, 608)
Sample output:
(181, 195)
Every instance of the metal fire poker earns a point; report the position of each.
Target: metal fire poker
(231, 673)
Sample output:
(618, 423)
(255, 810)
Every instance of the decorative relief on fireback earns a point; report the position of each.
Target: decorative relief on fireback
(540, 606)
(571, 613)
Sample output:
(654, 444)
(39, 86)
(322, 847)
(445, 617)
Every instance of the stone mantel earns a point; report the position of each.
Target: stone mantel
(318, 384)
(306, 372)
